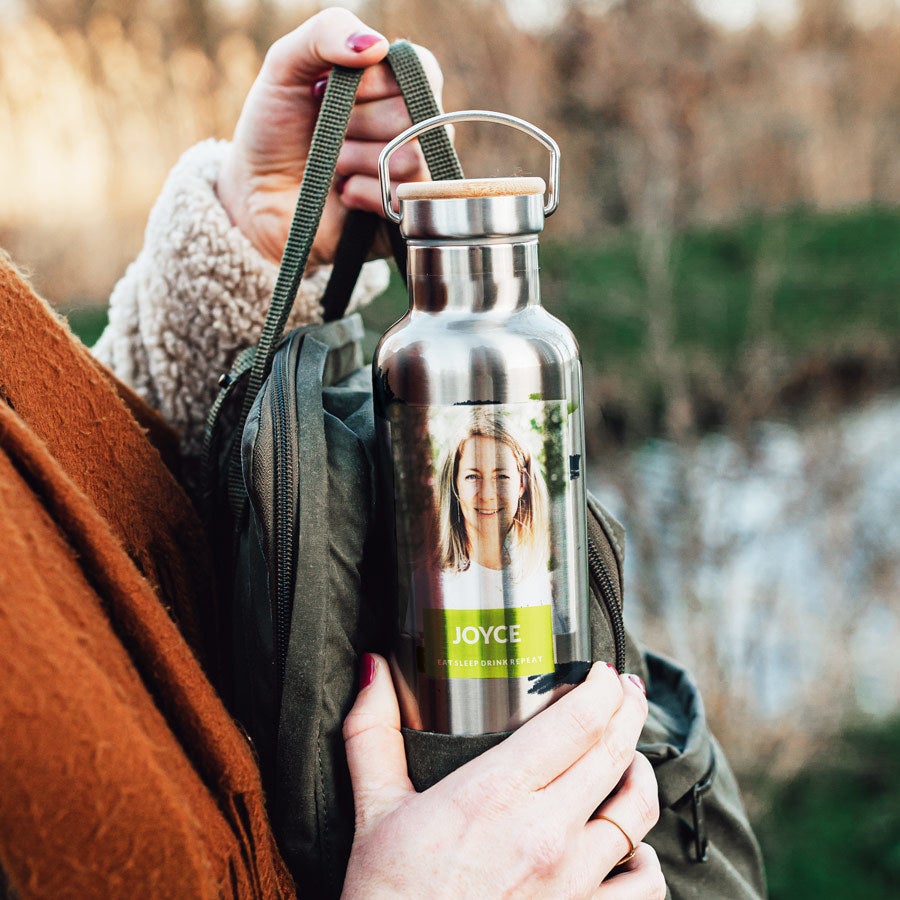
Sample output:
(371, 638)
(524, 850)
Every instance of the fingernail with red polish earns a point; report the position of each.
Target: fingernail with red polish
(340, 183)
(318, 89)
(611, 666)
(366, 670)
(634, 679)
(362, 40)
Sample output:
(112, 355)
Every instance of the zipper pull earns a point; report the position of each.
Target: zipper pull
(701, 840)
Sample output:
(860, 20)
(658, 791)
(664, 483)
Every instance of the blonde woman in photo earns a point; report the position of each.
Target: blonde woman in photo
(494, 524)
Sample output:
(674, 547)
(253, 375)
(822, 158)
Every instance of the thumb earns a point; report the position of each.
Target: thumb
(331, 37)
(374, 744)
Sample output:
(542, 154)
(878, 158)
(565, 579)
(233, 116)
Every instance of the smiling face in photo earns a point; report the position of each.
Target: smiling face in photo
(489, 485)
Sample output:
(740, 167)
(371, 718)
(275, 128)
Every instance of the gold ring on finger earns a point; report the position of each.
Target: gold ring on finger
(631, 848)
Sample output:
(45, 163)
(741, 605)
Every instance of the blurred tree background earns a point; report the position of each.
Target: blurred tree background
(727, 251)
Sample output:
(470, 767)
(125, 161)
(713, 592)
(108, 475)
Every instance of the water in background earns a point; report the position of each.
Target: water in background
(771, 567)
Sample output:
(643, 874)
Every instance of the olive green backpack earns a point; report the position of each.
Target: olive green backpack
(293, 504)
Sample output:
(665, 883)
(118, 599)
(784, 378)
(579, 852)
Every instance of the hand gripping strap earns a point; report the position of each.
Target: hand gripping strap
(324, 149)
(361, 227)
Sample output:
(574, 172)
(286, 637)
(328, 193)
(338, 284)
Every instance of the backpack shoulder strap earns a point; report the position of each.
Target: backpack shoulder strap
(325, 146)
(443, 164)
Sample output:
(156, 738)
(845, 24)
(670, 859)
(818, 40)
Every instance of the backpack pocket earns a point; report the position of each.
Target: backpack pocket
(702, 819)
(703, 839)
(431, 756)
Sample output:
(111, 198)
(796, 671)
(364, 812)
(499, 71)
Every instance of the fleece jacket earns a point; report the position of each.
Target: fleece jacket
(196, 295)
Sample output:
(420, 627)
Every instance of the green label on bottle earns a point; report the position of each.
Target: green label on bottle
(489, 643)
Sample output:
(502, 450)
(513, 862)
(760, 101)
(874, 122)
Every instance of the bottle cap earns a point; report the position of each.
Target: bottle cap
(471, 187)
(471, 208)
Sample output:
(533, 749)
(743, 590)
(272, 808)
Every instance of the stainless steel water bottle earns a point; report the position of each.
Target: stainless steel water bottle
(481, 437)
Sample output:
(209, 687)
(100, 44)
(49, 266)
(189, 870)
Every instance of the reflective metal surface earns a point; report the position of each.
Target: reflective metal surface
(476, 336)
(477, 217)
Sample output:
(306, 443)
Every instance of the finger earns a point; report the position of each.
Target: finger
(377, 83)
(596, 774)
(378, 121)
(361, 158)
(329, 38)
(641, 878)
(374, 746)
(364, 193)
(554, 739)
(623, 821)
(626, 818)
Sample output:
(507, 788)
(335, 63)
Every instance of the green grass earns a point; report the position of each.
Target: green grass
(86, 320)
(834, 830)
(831, 275)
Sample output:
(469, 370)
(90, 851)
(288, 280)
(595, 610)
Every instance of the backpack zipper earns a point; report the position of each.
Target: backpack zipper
(607, 590)
(283, 520)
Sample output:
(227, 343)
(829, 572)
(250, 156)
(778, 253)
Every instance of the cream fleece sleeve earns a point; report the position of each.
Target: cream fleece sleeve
(196, 295)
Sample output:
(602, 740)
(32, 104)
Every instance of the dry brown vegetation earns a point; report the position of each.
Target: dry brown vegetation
(664, 119)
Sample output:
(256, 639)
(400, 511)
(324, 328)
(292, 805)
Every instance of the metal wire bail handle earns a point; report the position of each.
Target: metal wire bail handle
(468, 115)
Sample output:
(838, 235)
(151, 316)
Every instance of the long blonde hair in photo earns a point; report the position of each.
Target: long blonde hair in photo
(528, 540)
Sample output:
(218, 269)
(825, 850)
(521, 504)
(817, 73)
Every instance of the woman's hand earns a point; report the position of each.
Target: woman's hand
(260, 177)
(518, 820)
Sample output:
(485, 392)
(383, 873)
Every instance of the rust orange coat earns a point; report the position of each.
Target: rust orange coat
(121, 773)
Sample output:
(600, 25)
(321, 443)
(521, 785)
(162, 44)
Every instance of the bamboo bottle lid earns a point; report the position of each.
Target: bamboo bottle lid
(471, 208)
(464, 188)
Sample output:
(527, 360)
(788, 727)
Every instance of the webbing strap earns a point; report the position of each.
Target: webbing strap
(209, 459)
(443, 163)
(317, 178)
(323, 153)
(349, 255)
